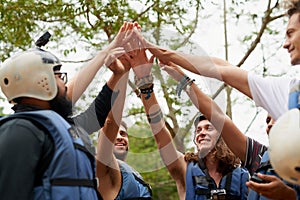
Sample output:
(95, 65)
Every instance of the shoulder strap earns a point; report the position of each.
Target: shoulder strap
(212, 185)
(207, 180)
(228, 186)
(228, 181)
(211, 182)
(143, 183)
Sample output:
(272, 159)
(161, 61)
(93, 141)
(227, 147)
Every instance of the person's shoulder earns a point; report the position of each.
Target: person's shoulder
(23, 127)
(254, 77)
(16, 122)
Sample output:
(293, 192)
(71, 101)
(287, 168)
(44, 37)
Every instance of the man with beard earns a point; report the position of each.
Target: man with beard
(46, 154)
(37, 144)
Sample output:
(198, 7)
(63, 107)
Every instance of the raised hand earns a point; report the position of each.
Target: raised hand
(162, 54)
(173, 70)
(139, 61)
(141, 64)
(113, 54)
(117, 67)
(123, 36)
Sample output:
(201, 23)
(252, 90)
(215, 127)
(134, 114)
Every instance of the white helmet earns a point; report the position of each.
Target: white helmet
(284, 149)
(29, 74)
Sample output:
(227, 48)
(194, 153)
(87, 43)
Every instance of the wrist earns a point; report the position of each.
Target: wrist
(144, 82)
(184, 84)
(147, 91)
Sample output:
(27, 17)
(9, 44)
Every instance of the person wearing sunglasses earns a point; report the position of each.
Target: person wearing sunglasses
(46, 153)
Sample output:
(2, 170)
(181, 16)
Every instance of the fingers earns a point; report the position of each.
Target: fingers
(152, 59)
(268, 178)
(113, 54)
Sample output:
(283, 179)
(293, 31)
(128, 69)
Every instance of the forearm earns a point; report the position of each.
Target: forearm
(84, 77)
(210, 67)
(110, 130)
(155, 118)
(170, 156)
(103, 104)
(233, 137)
(113, 81)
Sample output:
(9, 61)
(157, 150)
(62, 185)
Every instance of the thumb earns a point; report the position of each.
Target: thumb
(164, 67)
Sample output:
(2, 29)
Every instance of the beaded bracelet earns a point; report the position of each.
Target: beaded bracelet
(144, 82)
(184, 81)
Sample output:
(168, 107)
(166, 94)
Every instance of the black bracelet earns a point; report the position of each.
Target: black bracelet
(154, 119)
(147, 91)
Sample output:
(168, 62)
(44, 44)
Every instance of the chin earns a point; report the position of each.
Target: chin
(295, 61)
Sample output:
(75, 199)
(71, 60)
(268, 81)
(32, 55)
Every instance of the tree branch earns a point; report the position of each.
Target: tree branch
(266, 20)
(185, 41)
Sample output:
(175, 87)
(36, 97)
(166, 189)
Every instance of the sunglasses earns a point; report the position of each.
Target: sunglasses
(62, 75)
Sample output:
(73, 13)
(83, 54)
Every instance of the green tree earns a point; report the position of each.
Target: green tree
(90, 25)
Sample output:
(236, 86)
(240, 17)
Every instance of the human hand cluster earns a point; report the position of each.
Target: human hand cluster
(130, 48)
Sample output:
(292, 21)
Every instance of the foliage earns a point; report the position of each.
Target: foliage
(91, 24)
(144, 157)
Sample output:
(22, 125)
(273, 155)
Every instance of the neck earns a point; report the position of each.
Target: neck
(36, 102)
(211, 163)
(212, 166)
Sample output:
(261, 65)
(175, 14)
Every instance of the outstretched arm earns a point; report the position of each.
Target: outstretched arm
(203, 65)
(233, 137)
(94, 117)
(173, 160)
(107, 170)
(78, 84)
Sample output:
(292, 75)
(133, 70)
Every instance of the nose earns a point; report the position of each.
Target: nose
(269, 126)
(200, 134)
(286, 44)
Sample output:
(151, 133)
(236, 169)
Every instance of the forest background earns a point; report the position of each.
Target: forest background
(247, 33)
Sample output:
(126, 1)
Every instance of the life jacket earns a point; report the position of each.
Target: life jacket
(294, 96)
(133, 186)
(200, 186)
(266, 168)
(71, 172)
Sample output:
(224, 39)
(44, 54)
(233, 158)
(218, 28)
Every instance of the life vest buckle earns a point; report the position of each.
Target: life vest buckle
(218, 194)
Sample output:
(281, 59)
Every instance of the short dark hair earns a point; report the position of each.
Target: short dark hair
(293, 7)
(123, 124)
(199, 118)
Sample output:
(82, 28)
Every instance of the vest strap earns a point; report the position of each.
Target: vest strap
(202, 191)
(143, 183)
(228, 181)
(75, 182)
